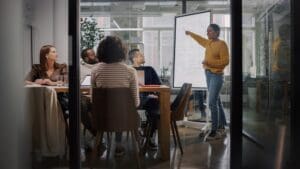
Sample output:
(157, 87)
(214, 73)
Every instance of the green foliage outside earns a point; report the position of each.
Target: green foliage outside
(90, 34)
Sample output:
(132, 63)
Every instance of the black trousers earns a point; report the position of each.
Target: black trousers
(86, 107)
(151, 105)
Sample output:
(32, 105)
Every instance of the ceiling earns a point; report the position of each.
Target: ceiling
(148, 8)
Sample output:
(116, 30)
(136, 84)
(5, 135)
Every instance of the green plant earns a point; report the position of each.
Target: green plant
(90, 34)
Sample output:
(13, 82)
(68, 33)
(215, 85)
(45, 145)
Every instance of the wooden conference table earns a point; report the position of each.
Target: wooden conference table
(164, 124)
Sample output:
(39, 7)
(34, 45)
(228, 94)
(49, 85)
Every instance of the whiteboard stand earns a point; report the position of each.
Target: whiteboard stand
(204, 127)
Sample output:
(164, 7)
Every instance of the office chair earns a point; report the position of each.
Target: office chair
(178, 111)
(114, 110)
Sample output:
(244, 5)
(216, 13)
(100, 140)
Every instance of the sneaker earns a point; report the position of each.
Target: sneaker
(82, 155)
(152, 145)
(213, 135)
(101, 149)
(119, 151)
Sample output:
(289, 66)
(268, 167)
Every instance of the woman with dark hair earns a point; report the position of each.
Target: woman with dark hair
(215, 60)
(112, 72)
(48, 72)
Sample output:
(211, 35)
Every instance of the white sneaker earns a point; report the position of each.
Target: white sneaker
(82, 155)
(213, 136)
(195, 116)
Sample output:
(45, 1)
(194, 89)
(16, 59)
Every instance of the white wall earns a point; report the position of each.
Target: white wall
(49, 21)
(50, 26)
(12, 147)
(61, 29)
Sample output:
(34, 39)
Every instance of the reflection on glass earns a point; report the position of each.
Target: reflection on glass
(266, 82)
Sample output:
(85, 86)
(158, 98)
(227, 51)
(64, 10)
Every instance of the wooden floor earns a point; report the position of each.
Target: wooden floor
(198, 154)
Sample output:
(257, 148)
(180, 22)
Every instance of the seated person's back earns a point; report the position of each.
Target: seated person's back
(112, 72)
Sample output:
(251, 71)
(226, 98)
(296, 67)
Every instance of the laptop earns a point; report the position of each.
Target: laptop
(86, 81)
(141, 77)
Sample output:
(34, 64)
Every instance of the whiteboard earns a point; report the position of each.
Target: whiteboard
(188, 54)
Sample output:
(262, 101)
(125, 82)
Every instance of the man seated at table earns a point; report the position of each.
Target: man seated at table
(149, 101)
(87, 62)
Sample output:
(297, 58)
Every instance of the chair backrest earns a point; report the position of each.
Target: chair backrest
(113, 110)
(179, 104)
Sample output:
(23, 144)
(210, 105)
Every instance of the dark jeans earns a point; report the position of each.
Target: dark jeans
(151, 105)
(200, 96)
(118, 137)
(86, 114)
(63, 99)
(86, 108)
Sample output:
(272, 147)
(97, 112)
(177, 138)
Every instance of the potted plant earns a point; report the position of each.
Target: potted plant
(90, 34)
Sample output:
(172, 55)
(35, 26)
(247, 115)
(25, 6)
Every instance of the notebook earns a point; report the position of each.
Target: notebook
(141, 77)
(86, 81)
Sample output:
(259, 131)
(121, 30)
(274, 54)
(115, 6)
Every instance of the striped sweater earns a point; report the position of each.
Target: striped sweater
(115, 75)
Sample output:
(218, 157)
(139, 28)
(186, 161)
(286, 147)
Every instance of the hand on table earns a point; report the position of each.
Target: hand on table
(153, 96)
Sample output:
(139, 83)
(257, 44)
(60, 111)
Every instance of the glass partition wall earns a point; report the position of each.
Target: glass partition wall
(44, 55)
(266, 83)
(146, 25)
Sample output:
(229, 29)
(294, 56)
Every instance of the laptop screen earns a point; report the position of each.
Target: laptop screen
(141, 77)
(86, 81)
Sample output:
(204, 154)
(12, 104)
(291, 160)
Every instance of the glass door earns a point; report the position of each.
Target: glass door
(266, 29)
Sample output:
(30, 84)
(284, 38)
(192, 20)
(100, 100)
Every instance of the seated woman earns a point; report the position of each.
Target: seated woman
(48, 72)
(112, 72)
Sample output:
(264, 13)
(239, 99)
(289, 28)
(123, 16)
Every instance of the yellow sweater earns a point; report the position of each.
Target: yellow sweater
(216, 54)
(281, 55)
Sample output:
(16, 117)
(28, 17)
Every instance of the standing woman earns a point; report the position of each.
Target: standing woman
(215, 60)
(48, 72)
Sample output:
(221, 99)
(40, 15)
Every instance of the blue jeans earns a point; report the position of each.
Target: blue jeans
(118, 137)
(200, 95)
(214, 84)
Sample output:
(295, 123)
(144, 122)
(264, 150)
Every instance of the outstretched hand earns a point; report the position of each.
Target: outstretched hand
(188, 32)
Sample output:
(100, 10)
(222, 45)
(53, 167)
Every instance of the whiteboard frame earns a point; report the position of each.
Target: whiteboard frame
(174, 50)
